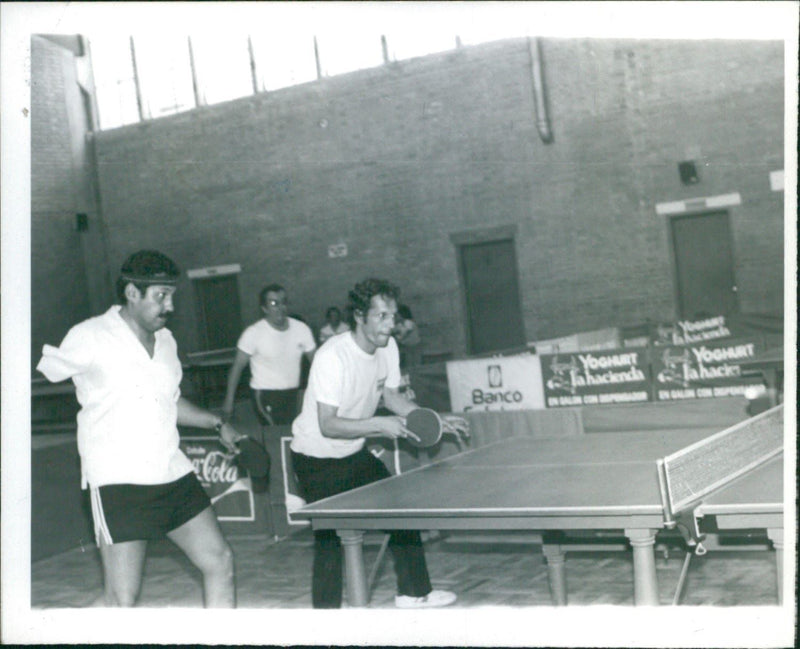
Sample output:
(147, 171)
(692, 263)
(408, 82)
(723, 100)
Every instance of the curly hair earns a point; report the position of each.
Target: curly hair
(360, 297)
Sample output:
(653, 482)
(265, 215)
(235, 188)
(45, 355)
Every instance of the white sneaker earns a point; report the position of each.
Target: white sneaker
(434, 599)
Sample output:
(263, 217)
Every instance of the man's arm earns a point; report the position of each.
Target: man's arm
(192, 415)
(337, 427)
(234, 374)
(398, 402)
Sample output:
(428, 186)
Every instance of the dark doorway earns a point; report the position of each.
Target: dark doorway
(491, 296)
(704, 265)
(219, 312)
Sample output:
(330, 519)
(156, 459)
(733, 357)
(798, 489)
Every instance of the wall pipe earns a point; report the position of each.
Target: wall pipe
(539, 94)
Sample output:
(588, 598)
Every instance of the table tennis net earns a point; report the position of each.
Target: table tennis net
(697, 470)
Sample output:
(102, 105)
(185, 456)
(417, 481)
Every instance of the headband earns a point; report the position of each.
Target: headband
(150, 279)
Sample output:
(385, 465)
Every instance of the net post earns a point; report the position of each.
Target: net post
(669, 518)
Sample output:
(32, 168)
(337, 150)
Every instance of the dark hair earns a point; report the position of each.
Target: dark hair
(404, 312)
(332, 309)
(360, 297)
(269, 288)
(146, 268)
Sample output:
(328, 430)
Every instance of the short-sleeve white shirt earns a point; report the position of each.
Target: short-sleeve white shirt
(127, 424)
(328, 331)
(275, 355)
(345, 376)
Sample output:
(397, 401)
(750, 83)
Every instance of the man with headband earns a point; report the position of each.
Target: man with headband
(126, 371)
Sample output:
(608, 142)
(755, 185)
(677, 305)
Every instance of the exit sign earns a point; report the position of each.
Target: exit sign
(337, 250)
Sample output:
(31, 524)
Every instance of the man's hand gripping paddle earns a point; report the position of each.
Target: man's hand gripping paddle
(252, 457)
(426, 425)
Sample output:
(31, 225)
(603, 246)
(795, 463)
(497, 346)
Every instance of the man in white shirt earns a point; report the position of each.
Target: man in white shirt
(274, 348)
(126, 371)
(349, 375)
(333, 324)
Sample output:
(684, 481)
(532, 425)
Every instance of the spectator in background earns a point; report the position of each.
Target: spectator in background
(274, 348)
(408, 339)
(333, 324)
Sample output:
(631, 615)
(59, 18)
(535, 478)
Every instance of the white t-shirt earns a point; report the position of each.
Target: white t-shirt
(275, 355)
(127, 424)
(345, 376)
(328, 331)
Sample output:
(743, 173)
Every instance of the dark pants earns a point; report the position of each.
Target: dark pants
(280, 404)
(319, 478)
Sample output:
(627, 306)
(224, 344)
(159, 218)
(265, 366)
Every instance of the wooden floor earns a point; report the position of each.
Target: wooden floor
(483, 570)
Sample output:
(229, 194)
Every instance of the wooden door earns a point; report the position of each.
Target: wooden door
(219, 312)
(704, 265)
(491, 296)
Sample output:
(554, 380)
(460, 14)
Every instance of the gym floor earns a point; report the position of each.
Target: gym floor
(485, 569)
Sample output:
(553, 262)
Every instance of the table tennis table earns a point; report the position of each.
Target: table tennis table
(607, 481)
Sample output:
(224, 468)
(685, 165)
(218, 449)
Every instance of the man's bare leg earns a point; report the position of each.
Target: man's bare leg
(202, 541)
(122, 571)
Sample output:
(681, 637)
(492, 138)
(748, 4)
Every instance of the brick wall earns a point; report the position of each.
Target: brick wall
(59, 295)
(392, 161)
(69, 278)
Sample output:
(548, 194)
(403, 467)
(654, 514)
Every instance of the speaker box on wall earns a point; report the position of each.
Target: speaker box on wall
(81, 222)
(688, 172)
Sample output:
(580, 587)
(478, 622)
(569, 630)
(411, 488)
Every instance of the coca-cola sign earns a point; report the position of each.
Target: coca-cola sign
(230, 491)
(216, 467)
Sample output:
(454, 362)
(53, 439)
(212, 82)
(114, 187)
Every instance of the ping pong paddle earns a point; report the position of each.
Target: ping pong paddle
(253, 458)
(425, 424)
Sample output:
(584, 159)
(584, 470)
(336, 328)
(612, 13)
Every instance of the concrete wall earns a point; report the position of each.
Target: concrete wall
(393, 161)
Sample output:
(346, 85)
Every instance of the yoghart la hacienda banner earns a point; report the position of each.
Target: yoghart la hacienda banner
(704, 369)
(502, 383)
(687, 332)
(596, 377)
(230, 491)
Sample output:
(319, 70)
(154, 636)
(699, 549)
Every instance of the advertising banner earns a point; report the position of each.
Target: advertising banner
(703, 370)
(503, 383)
(230, 492)
(564, 344)
(608, 338)
(596, 377)
(687, 332)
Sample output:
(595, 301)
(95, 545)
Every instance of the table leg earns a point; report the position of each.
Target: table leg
(355, 574)
(645, 583)
(556, 573)
(776, 536)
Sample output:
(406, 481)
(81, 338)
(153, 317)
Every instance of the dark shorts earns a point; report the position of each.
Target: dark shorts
(281, 404)
(133, 512)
